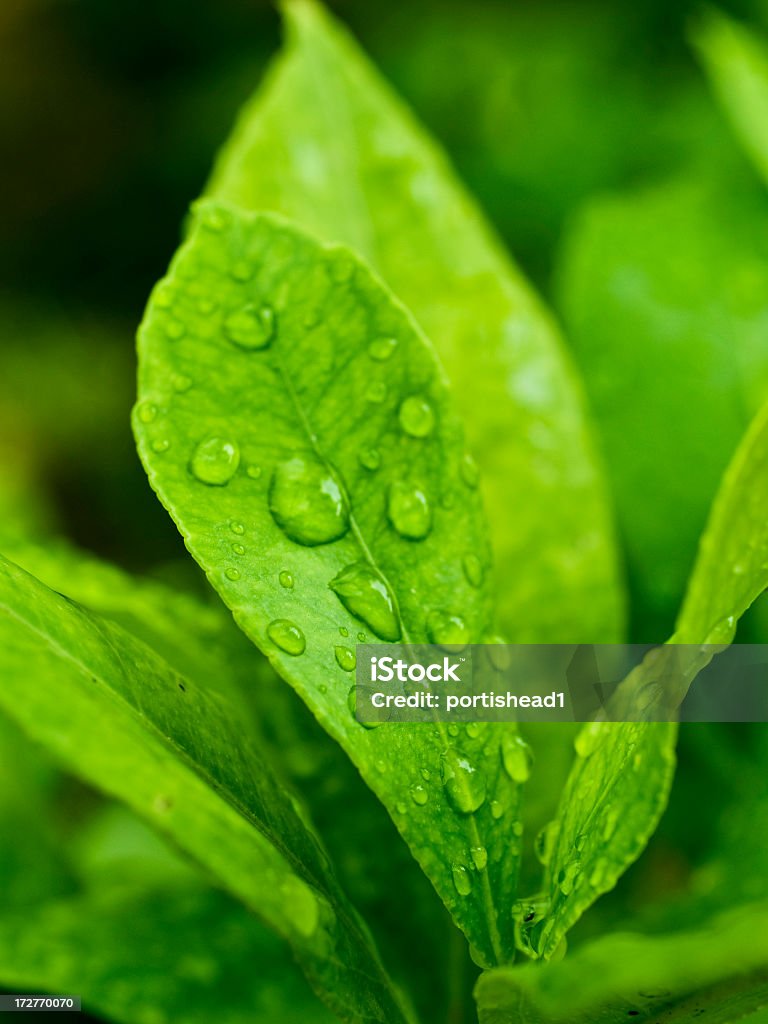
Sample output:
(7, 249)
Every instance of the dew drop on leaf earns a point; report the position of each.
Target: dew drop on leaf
(447, 630)
(301, 907)
(462, 879)
(369, 458)
(232, 574)
(147, 411)
(376, 392)
(352, 705)
(287, 636)
(473, 570)
(464, 783)
(588, 739)
(215, 461)
(345, 658)
(285, 579)
(416, 417)
(409, 511)
(161, 445)
(419, 795)
(516, 756)
(241, 271)
(497, 809)
(544, 843)
(382, 348)
(251, 327)
(254, 472)
(307, 502)
(479, 857)
(567, 878)
(237, 528)
(239, 549)
(175, 329)
(343, 631)
(181, 383)
(470, 474)
(366, 595)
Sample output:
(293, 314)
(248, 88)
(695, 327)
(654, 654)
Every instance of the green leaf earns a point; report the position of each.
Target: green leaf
(269, 447)
(736, 62)
(731, 570)
(326, 143)
(663, 294)
(718, 973)
(156, 956)
(116, 714)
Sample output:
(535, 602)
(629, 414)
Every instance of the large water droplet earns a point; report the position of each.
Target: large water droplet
(464, 784)
(416, 417)
(516, 756)
(345, 658)
(307, 502)
(419, 795)
(409, 511)
(215, 461)
(287, 636)
(382, 348)
(461, 879)
(251, 327)
(447, 630)
(366, 595)
(352, 705)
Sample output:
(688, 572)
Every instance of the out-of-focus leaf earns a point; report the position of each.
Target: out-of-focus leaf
(327, 143)
(119, 716)
(663, 294)
(736, 62)
(157, 956)
(305, 368)
(718, 973)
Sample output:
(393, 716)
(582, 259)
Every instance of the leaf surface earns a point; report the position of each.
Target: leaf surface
(327, 143)
(178, 759)
(718, 973)
(314, 544)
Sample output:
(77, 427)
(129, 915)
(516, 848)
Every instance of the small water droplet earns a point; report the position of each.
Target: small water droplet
(380, 766)
(479, 857)
(416, 417)
(464, 784)
(610, 823)
(239, 549)
(447, 630)
(286, 580)
(307, 502)
(175, 329)
(215, 461)
(345, 658)
(453, 729)
(361, 637)
(497, 809)
(147, 411)
(462, 879)
(517, 757)
(237, 528)
(213, 219)
(377, 392)
(567, 878)
(161, 445)
(588, 738)
(470, 474)
(181, 383)
(599, 875)
(322, 688)
(401, 807)
(473, 730)
(287, 636)
(369, 458)
(251, 327)
(343, 631)
(409, 511)
(254, 472)
(426, 774)
(544, 843)
(381, 349)
(419, 795)
(473, 570)
(232, 574)
(164, 296)
(366, 595)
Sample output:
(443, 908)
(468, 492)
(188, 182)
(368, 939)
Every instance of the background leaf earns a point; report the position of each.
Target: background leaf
(175, 756)
(326, 143)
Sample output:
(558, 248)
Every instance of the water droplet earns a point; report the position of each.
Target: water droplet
(464, 784)
(345, 658)
(479, 857)
(301, 907)
(361, 637)
(409, 511)
(453, 729)
(207, 306)
(588, 738)
(401, 807)
(237, 528)
(352, 705)
(473, 570)
(241, 271)
(147, 411)
(419, 795)
(213, 219)
(343, 631)
(473, 730)
(181, 383)
(369, 458)
(544, 843)
(497, 809)
(164, 296)
(470, 474)
(286, 580)
(239, 549)
(516, 756)
(376, 392)
(287, 636)
(567, 878)
(254, 472)
(322, 688)
(175, 329)
(599, 875)
(251, 327)
(382, 348)
(380, 766)
(232, 574)
(461, 879)
(215, 461)
(366, 595)
(611, 821)
(447, 630)
(307, 502)
(416, 417)
(161, 445)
